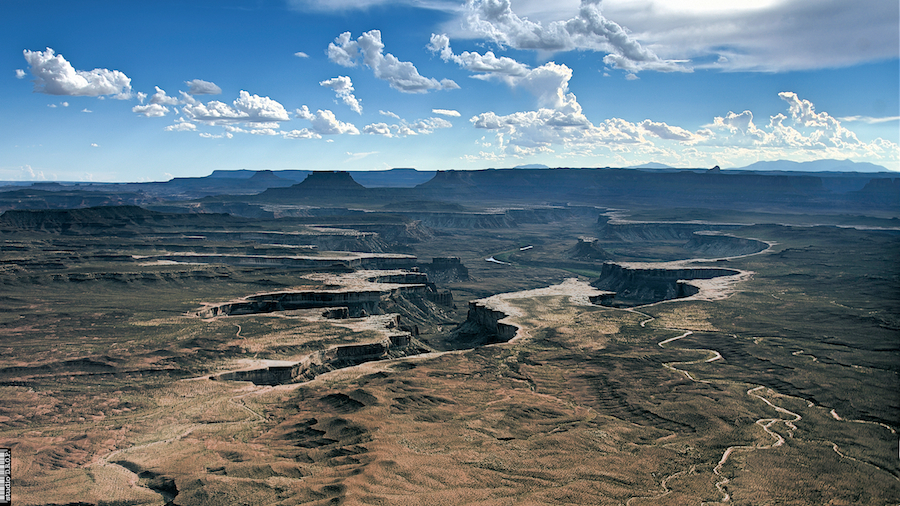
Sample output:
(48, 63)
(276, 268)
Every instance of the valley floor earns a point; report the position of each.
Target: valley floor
(780, 389)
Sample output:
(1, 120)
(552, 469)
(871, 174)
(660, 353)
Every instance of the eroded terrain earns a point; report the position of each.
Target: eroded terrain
(768, 376)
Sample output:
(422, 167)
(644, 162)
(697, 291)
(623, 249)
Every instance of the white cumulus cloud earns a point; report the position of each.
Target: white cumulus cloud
(379, 129)
(732, 139)
(303, 133)
(803, 129)
(733, 35)
(301, 54)
(588, 30)
(247, 109)
(187, 99)
(29, 173)
(801, 134)
(54, 75)
(400, 75)
(20, 74)
(673, 133)
(201, 87)
(181, 125)
(161, 98)
(549, 82)
(446, 112)
(151, 110)
(343, 88)
(533, 129)
(559, 121)
(404, 128)
(485, 66)
(324, 122)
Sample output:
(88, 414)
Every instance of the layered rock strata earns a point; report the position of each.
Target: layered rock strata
(445, 270)
(638, 286)
(488, 320)
(356, 294)
(333, 260)
(361, 292)
(337, 357)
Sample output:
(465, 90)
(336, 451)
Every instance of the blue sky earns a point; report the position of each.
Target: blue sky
(142, 91)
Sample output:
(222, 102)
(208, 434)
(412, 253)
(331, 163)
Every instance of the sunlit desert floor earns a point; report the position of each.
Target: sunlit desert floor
(776, 387)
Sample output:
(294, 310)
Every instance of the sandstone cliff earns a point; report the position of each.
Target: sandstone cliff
(644, 286)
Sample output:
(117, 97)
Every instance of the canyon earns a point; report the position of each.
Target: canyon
(640, 338)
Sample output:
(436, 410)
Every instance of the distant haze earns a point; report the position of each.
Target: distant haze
(651, 165)
(815, 166)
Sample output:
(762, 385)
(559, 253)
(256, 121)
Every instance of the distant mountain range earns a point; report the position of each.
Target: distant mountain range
(826, 165)
(651, 165)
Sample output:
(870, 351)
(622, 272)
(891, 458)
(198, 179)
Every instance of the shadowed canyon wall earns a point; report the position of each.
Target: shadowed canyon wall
(640, 286)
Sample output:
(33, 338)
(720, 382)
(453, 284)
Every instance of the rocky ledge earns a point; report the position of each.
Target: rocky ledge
(639, 286)
(361, 292)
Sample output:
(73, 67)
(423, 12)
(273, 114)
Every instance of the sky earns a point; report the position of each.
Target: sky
(99, 90)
